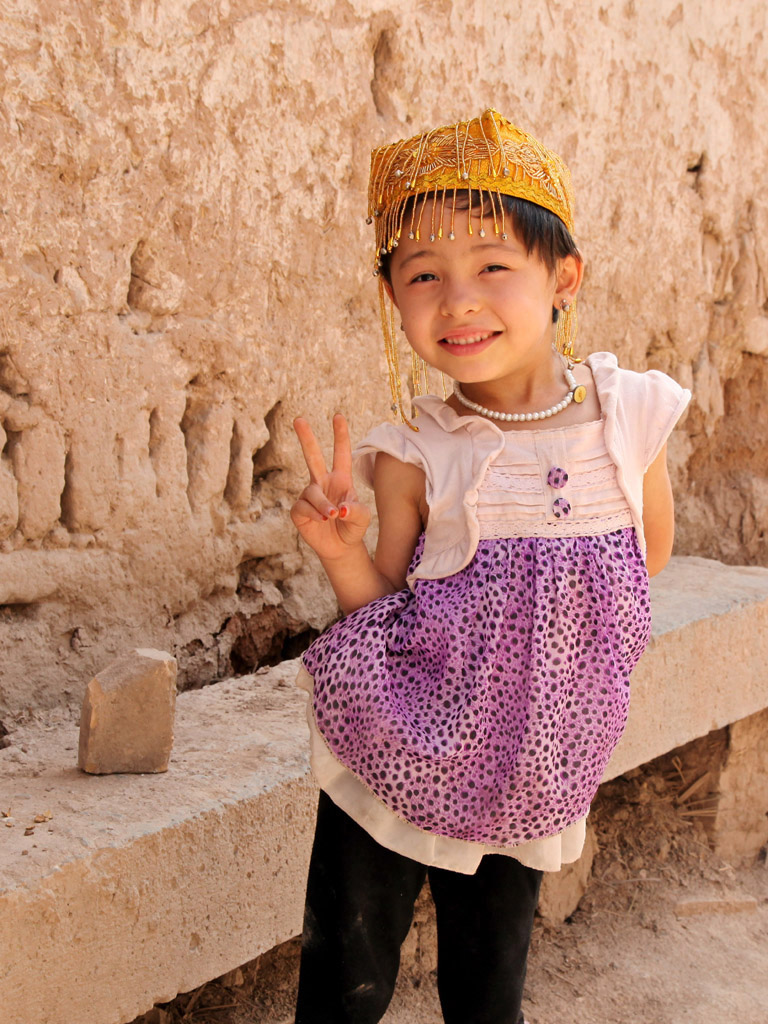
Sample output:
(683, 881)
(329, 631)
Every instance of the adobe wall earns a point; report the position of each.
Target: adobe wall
(185, 267)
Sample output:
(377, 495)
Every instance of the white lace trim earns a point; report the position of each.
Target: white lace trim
(509, 478)
(592, 526)
(501, 478)
(597, 477)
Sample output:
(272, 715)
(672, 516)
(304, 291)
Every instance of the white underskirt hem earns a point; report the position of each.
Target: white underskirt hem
(350, 794)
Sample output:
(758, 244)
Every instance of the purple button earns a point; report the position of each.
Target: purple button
(561, 507)
(557, 477)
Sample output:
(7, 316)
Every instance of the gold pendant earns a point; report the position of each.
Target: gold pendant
(580, 394)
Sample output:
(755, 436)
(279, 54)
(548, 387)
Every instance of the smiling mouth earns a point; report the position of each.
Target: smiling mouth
(469, 339)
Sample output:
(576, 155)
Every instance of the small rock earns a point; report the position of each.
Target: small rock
(614, 872)
(662, 849)
(233, 979)
(126, 722)
(691, 908)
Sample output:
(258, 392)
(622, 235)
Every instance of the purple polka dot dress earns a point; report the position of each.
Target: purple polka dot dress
(484, 706)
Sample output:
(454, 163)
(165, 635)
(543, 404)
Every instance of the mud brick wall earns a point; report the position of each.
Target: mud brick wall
(185, 267)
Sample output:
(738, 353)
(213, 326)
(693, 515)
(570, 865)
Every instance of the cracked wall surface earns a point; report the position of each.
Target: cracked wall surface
(186, 267)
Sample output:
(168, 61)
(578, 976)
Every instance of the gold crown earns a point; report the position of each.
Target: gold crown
(486, 154)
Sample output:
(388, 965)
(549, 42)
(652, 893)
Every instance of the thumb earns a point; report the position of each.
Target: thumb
(353, 511)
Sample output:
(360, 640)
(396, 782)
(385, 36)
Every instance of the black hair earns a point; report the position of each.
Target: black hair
(540, 230)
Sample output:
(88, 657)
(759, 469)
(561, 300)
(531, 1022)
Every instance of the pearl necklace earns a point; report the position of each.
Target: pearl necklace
(519, 417)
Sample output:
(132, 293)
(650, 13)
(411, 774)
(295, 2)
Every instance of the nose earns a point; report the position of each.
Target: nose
(459, 297)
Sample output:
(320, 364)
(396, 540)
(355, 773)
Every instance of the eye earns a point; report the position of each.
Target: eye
(492, 268)
(423, 277)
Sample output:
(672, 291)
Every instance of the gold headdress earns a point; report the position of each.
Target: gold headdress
(486, 157)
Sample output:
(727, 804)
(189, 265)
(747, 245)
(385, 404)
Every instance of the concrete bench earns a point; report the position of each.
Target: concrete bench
(140, 887)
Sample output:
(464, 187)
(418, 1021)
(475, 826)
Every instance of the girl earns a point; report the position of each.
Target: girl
(465, 708)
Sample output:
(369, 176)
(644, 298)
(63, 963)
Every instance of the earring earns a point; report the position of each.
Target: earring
(401, 326)
(387, 311)
(565, 319)
(419, 375)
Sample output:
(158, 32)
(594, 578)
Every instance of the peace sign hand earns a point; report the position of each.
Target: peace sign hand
(327, 513)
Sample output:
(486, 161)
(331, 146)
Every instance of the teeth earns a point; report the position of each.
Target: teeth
(470, 340)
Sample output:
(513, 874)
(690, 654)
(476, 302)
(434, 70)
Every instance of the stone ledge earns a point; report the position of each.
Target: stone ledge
(149, 885)
(707, 663)
(140, 887)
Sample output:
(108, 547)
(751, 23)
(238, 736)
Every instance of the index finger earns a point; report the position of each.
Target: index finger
(310, 448)
(342, 448)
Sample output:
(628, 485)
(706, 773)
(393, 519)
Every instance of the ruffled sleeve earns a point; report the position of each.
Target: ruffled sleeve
(454, 453)
(665, 402)
(391, 439)
(640, 411)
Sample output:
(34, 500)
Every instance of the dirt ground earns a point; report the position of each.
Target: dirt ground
(666, 933)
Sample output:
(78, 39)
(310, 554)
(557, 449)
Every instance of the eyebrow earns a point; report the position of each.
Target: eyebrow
(481, 246)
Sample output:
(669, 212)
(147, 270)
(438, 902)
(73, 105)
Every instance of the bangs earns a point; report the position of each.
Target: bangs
(538, 229)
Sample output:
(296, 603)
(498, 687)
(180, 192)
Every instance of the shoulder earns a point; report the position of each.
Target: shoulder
(420, 446)
(640, 405)
(650, 386)
(404, 439)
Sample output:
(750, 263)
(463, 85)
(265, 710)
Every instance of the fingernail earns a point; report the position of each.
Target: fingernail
(343, 512)
(333, 513)
(325, 519)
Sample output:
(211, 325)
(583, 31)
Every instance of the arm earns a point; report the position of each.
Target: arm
(401, 504)
(332, 521)
(658, 514)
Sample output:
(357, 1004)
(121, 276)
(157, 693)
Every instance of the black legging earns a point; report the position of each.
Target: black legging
(360, 899)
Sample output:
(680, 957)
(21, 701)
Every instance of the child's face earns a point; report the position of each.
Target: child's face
(476, 308)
